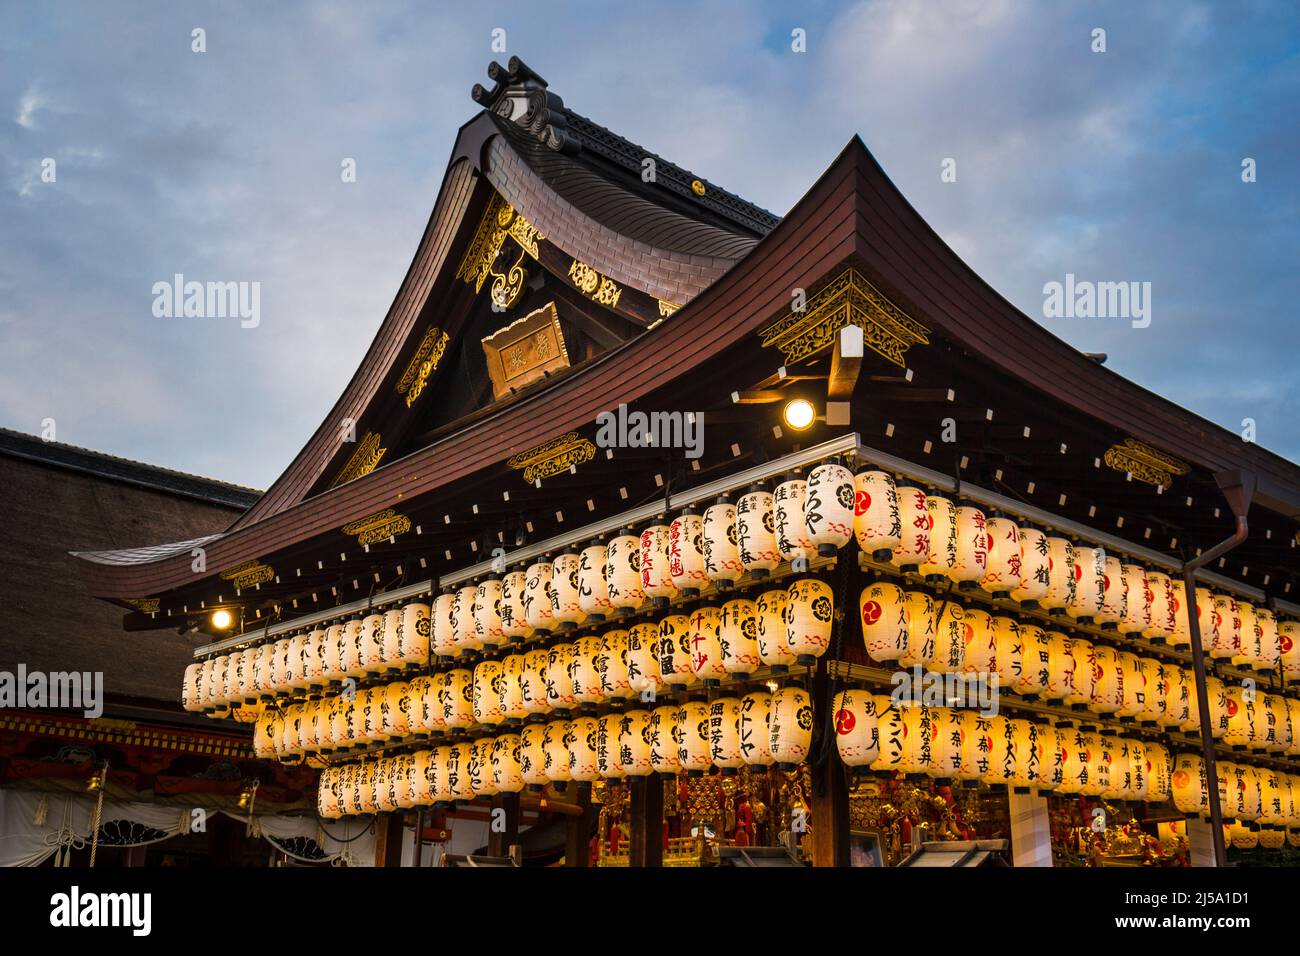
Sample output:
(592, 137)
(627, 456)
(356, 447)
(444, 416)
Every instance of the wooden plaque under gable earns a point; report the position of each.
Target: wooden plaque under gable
(525, 350)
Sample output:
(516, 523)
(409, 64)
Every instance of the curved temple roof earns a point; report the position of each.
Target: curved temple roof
(729, 265)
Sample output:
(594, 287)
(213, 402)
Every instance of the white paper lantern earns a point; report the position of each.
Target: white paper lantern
(1288, 636)
(706, 645)
(643, 660)
(756, 533)
(634, 739)
(877, 522)
(1009, 652)
(462, 621)
(809, 613)
(1035, 661)
(489, 629)
(919, 608)
(556, 741)
(664, 731)
(738, 634)
(1002, 575)
(612, 665)
(593, 589)
(914, 520)
(721, 544)
(693, 750)
(882, 609)
(1135, 610)
(981, 643)
(972, 559)
(950, 638)
(609, 764)
(583, 732)
(942, 556)
(532, 756)
(724, 735)
(792, 538)
(584, 673)
(857, 734)
(565, 605)
(773, 648)
(372, 644)
(828, 507)
(456, 698)
(507, 776)
(1089, 583)
(1227, 641)
(559, 677)
(1060, 575)
(656, 577)
(623, 573)
(532, 683)
(755, 729)
(416, 629)
(538, 612)
(513, 621)
(487, 693)
(790, 727)
(1160, 611)
(443, 636)
(392, 653)
(675, 665)
(1033, 568)
(686, 554)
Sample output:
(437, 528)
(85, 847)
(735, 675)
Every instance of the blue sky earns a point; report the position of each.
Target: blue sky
(224, 165)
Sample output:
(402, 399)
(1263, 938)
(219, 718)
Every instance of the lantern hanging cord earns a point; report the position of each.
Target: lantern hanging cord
(351, 839)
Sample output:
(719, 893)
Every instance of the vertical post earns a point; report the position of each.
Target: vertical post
(388, 839)
(504, 834)
(577, 847)
(646, 809)
(1031, 834)
(419, 836)
(1203, 712)
(1201, 842)
(829, 810)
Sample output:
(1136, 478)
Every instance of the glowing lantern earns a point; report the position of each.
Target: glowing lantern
(293, 669)
(1108, 684)
(1227, 641)
(456, 698)
(877, 523)
(790, 728)
(1028, 754)
(706, 645)
(266, 669)
(1240, 711)
(1060, 666)
(914, 519)
(919, 609)
(793, 541)
(1092, 772)
(514, 624)
(245, 671)
(1180, 634)
(1089, 583)
(1135, 609)
(973, 743)
(1114, 599)
(582, 749)
(656, 579)
(883, 611)
(460, 778)
(1179, 692)
(721, 544)
(1033, 568)
(559, 677)
(950, 638)
(1160, 607)
(593, 588)
(808, 616)
(612, 665)
(693, 750)
(584, 674)
(972, 557)
(1248, 649)
(1060, 575)
(538, 612)
(1008, 652)
(981, 643)
(1004, 558)
(1271, 798)
(1217, 691)
(350, 657)
(1115, 767)
(828, 507)
(1035, 661)
(555, 750)
(756, 533)
(887, 717)
(643, 660)
(462, 621)
(1293, 719)
(372, 643)
(1051, 758)
(1270, 644)
(608, 762)
(918, 739)
(192, 689)
(1134, 685)
(1152, 699)
(443, 638)
(1083, 674)
(664, 730)
(685, 554)
(1288, 636)
(565, 605)
(397, 698)
(755, 729)
(413, 634)
(1002, 759)
(942, 556)
(532, 683)
(724, 735)
(416, 724)
(487, 693)
(532, 756)
(773, 648)
(675, 665)
(512, 689)
(945, 751)
(267, 731)
(738, 634)
(634, 739)
(391, 645)
(1274, 731)
(623, 573)
(327, 798)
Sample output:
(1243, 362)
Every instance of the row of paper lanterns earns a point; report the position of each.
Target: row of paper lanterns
(1240, 835)
(899, 523)
(1247, 794)
(759, 729)
(783, 627)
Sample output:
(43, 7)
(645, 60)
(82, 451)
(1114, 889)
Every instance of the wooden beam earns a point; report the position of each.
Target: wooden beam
(646, 809)
(577, 844)
(829, 801)
(846, 364)
(502, 836)
(388, 839)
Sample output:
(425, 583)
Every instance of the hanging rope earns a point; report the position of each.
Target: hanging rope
(97, 816)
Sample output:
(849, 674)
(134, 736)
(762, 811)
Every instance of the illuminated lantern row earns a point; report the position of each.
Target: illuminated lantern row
(307, 662)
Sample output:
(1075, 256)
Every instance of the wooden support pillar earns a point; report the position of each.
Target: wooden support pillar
(504, 834)
(388, 839)
(577, 845)
(646, 808)
(827, 842)
(1031, 835)
(1200, 842)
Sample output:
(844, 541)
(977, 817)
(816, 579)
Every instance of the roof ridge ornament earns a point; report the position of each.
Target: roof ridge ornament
(519, 95)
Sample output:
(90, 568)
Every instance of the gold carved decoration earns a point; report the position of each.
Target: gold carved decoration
(1145, 463)
(423, 364)
(848, 299)
(593, 285)
(378, 527)
(525, 350)
(248, 574)
(499, 222)
(553, 457)
(363, 461)
(144, 605)
(666, 308)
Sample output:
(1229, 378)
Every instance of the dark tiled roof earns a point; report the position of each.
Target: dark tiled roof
(21, 445)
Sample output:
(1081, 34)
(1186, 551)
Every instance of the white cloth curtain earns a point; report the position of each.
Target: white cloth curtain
(35, 825)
